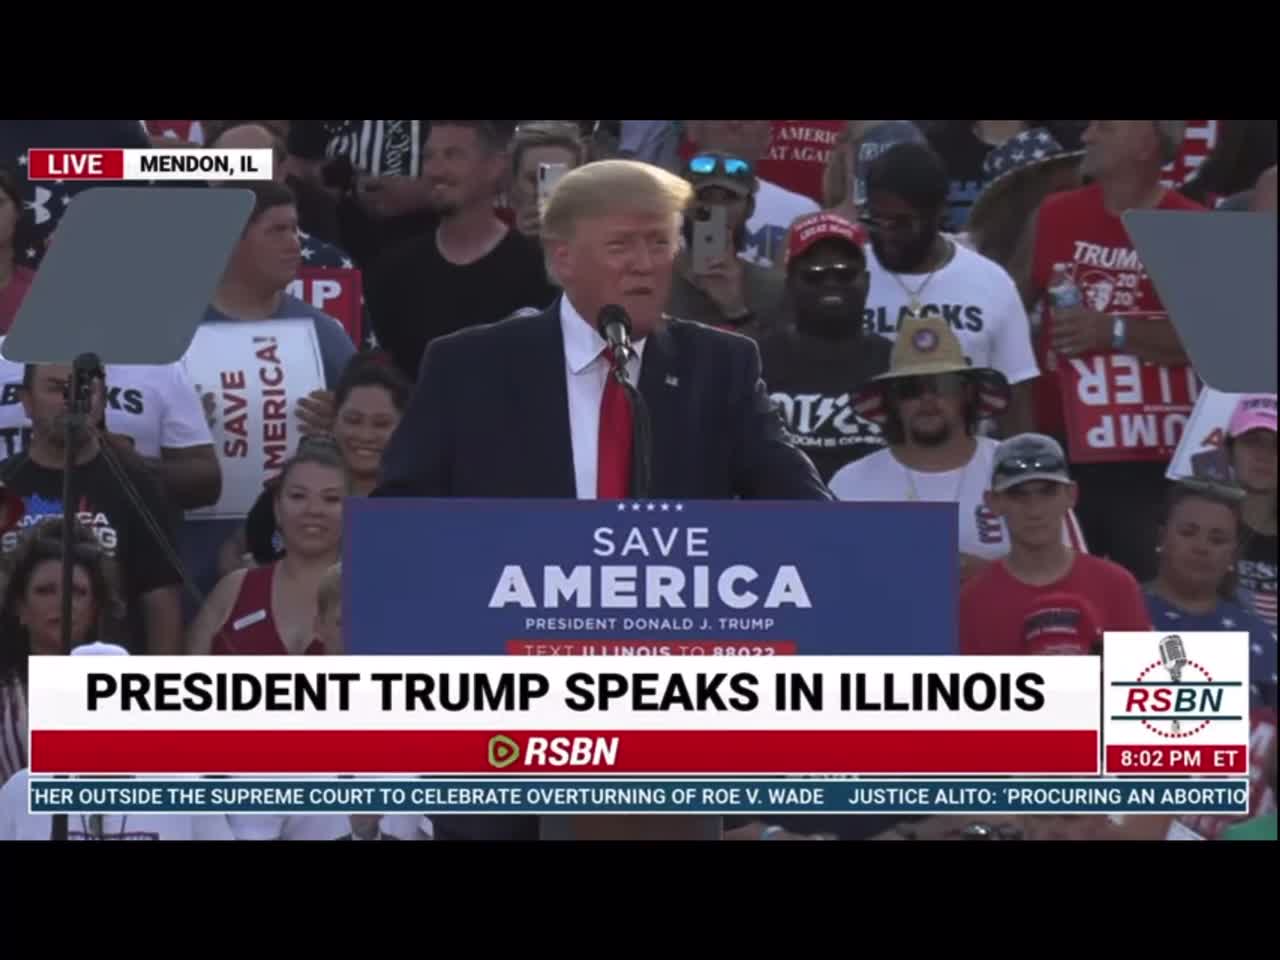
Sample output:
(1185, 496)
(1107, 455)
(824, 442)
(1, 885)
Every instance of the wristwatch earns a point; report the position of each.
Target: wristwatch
(1119, 331)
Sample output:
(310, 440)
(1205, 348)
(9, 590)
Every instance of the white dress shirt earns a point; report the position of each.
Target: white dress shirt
(587, 371)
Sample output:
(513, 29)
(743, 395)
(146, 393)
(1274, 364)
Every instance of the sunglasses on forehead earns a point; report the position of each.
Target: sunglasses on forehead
(939, 384)
(1022, 466)
(706, 165)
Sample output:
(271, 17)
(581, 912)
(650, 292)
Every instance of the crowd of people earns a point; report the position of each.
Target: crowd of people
(934, 308)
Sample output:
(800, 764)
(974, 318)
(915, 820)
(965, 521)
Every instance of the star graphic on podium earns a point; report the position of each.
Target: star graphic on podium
(666, 507)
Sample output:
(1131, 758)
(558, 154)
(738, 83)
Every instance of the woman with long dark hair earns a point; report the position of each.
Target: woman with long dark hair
(1199, 544)
(31, 618)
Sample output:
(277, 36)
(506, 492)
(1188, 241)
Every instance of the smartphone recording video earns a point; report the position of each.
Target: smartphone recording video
(710, 237)
(549, 175)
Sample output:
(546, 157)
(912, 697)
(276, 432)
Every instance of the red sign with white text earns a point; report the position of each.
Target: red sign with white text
(338, 291)
(1121, 408)
(73, 164)
(1200, 139)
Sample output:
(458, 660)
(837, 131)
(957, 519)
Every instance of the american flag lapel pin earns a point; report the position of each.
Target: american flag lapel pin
(672, 380)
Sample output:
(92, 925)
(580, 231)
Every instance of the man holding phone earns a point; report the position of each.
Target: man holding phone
(712, 284)
(542, 152)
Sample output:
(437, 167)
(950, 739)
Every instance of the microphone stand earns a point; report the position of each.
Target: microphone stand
(84, 371)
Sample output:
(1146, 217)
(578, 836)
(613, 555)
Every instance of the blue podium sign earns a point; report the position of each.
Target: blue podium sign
(545, 577)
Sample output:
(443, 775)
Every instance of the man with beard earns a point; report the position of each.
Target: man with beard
(814, 366)
(149, 580)
(929, 405)
(917, 270)
(470, 269)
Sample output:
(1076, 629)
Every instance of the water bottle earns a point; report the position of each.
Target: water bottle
(1063, 294)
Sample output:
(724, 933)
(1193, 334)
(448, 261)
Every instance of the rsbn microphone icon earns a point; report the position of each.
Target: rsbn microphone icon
(1174, 657)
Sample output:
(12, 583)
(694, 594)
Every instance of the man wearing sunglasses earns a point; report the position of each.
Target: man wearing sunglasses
(711, 283)
(917, 270)
(815, 366)
(929, 405)
(775, 208)
(1003, 607)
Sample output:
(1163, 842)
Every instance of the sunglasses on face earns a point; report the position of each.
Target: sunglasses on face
(840, 274)
(1022, 466)
(941, 385)
(900, 223)
(706, 165)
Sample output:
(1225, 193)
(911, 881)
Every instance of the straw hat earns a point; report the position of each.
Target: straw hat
(927, 347)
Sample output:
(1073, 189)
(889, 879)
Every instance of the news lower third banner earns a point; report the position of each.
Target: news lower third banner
(569, 577)
(703, 797)
(638, 716)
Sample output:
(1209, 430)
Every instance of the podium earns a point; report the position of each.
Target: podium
(525, 579)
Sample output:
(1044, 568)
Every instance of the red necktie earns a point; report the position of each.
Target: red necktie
(613, 459)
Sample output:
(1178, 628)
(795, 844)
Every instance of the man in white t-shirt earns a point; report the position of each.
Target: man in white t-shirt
(929, 405)
(775, 208)
(916, 269)
(152, 413)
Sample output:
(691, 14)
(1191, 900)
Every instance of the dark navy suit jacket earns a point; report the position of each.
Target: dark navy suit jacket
(490, 418)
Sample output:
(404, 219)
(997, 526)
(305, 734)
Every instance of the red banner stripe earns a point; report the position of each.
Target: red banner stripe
(596, 648)
(1167, 758)
(637, 751)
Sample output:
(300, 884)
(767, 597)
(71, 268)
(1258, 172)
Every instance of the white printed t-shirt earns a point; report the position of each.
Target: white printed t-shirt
(776, 209)
(974, 294)
(17, 824)
(882, 477)
(156, 406)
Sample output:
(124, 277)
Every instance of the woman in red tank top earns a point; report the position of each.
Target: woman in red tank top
(271, 610)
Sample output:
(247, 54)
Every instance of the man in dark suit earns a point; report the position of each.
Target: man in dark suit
(527, 407)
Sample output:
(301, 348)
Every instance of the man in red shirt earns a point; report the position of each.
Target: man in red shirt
(1116, 384)
(1044, 592)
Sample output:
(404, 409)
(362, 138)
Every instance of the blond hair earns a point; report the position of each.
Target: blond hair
(329, 593)
(612, 186)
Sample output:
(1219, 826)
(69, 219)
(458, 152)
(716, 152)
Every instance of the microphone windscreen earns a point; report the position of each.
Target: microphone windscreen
(1172, 650)
(610, 314)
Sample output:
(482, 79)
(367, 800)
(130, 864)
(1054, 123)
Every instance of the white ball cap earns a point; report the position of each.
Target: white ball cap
(99, 650)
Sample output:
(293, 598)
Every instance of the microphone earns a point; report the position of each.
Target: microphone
(1174, 657)
(614, 326)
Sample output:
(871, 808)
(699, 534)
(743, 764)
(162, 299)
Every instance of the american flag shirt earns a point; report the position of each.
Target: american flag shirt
(1256, 576)
(46, 201)
(1228, 617)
